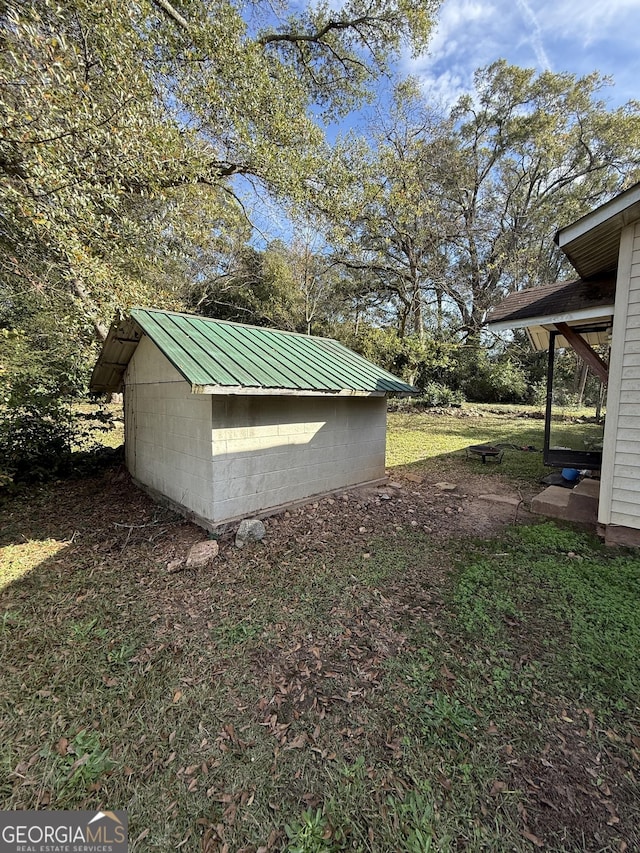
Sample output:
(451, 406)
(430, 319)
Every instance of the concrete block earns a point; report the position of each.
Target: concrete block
(628, 537)
(558, 502)
(553, 502)
(583, 502)
(589, 487)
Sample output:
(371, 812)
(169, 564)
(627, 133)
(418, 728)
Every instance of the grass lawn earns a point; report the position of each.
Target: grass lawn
(353, 683)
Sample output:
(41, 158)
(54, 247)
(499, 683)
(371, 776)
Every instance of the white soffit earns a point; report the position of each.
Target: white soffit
(539, 337)
(592, 243)
(572, 318)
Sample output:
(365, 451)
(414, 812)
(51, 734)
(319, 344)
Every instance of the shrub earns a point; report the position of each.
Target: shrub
(36, 439)
(486, 379)
(43, 437)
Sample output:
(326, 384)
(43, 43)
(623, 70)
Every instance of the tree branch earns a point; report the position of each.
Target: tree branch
(172, 13)
(293, 38)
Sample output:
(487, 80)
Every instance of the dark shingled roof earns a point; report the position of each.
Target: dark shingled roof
(561, 297)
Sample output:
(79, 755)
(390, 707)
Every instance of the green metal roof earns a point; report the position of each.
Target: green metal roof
(217, 356)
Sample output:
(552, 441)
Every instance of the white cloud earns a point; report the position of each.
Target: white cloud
(589, 22)
(444, 89)
(576, 36)
(536, 39)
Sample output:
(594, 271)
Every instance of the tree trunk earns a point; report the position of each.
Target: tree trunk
(582, 381)
(81, 292)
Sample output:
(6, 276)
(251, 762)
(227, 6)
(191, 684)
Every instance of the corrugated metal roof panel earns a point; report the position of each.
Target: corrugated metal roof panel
(223, 355)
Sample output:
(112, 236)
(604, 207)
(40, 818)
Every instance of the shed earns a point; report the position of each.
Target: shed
(225, 420)
(603, 305)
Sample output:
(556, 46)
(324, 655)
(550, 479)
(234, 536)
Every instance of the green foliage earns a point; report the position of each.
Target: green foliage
(486, 379)
(412, 357)
(445, 720)
(309, 834)
(42, 432)
(581, 597)
(83, 763)
(418, 819)
(36, 439)
(434, 395)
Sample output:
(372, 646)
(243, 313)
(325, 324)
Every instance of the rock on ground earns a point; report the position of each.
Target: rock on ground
(201, 553)
(250, 530)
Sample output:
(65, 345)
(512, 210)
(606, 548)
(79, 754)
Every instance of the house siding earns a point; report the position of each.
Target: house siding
(620, 489)
(167, 431)
(270, 451)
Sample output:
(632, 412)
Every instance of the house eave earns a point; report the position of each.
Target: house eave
(591, 244)
(242, 390)
(571, 317)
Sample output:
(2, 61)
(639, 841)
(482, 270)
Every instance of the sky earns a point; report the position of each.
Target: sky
(578, 36)
(575, 36)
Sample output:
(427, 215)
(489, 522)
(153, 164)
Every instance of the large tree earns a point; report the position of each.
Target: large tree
(528, 155)
(126, 128)
(458, 210)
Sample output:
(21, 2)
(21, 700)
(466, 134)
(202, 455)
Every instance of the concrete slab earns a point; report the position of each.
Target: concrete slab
(512, 500)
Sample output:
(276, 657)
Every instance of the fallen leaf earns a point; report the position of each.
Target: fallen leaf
(297, 743)
(61, 746)
(497, 787)
(532, 838)
(177, 696)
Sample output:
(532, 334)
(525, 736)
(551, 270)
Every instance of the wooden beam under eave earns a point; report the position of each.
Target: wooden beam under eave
(585, 351)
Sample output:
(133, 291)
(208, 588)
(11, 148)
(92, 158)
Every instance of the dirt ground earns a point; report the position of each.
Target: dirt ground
(469, 506)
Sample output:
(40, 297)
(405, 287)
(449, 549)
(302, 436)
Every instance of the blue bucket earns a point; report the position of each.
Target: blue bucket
(570, 474)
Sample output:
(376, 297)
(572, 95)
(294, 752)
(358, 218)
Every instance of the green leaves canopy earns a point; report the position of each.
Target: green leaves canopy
(455, 211)
(124, 124)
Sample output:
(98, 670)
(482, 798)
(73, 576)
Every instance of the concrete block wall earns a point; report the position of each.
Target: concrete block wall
(168, 431)
(270, 450)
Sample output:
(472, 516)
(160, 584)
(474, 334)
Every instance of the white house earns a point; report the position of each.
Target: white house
(603, 305)
(225, 421)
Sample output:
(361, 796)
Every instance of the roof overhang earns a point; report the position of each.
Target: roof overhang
(251, 391)
(593, 325)
(592, 243)
(121, 343)
(595, 334)
(587, 306)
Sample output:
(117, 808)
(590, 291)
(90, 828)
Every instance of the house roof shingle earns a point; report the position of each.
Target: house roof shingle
(553, 300)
